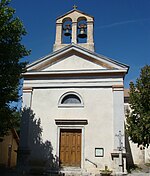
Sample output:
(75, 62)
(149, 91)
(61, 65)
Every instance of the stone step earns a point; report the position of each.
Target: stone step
(74, 172)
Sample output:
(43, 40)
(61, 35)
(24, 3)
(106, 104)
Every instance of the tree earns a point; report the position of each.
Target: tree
(138, 119)
(11, 51)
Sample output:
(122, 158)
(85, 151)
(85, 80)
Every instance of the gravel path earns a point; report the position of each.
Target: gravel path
(139, 174)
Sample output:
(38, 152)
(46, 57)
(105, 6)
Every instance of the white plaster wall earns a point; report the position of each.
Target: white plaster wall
(137, 153)
(147, 155)
(73, 63)
(98, 104)
(139, 156)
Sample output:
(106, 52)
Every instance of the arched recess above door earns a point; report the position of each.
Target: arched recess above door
(70, 99)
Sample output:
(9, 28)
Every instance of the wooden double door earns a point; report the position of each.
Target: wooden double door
(70, 147)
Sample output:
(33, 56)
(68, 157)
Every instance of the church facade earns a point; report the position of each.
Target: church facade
(77, 96)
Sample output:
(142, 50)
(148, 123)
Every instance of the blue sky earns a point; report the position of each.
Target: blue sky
(121, 30)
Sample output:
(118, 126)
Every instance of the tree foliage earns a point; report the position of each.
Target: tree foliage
(11, 51)
(138, 119)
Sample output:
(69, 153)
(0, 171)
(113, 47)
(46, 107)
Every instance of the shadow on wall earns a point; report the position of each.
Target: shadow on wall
(34, 154)
(130, 162)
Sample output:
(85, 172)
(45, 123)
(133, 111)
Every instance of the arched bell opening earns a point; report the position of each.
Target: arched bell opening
(82, 30)
(67, 30)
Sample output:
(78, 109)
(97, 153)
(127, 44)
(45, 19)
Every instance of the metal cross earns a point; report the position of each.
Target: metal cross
(75, 7)
(119, 135)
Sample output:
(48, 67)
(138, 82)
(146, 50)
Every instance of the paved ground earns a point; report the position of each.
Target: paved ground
(13, 173)
(133, 174)
(139, 174)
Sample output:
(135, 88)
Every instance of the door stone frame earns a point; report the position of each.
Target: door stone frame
(73, 127)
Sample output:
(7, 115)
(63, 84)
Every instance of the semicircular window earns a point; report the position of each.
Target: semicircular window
(71, 99)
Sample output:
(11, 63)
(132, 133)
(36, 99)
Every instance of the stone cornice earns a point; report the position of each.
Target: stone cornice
(75, 73)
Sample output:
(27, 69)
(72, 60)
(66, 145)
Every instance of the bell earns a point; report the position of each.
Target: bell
(67, 33)
(82, 33)
(67, 30)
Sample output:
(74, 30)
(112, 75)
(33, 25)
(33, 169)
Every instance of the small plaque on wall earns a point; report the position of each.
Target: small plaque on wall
(99, 152)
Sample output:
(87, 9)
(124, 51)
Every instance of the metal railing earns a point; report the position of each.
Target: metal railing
(86, 159)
